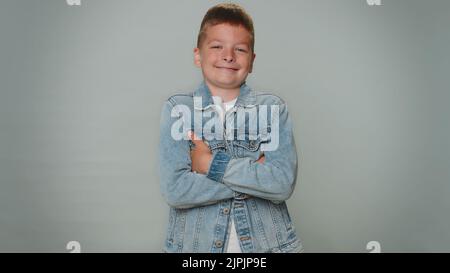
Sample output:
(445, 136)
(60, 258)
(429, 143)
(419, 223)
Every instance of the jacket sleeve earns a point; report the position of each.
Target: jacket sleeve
(179, 185)
(274, 179)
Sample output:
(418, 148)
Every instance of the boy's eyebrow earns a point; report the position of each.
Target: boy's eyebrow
(220, 41)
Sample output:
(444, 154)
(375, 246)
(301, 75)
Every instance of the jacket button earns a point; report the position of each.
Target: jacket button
(219, 243)
(226, 210)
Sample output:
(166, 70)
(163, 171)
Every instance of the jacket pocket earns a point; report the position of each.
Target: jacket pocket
(249, 145)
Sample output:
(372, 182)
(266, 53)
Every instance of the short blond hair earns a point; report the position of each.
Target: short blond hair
(229, 13)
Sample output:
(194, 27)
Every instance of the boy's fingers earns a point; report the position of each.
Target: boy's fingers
(195, 139)
(261, 159)
(192, 136)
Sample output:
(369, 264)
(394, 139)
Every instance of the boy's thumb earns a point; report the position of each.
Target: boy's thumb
(192, 136)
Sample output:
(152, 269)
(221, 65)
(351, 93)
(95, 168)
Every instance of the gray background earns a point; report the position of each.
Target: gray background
(81, 88)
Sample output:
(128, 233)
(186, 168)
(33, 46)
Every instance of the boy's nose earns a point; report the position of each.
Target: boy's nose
(228, 59)
(228, 56)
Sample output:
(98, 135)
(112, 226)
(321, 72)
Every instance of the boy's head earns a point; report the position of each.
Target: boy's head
(228, 13)
(225, 46)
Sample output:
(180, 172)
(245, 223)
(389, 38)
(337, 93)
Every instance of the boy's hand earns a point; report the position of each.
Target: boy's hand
(261, 159)
(201, 155)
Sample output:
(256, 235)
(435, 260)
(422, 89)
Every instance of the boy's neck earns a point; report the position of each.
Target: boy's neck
(225, 94)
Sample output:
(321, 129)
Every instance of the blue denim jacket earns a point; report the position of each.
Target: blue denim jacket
(237, 186)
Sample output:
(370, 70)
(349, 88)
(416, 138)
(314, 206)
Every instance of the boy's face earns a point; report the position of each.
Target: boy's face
(225, 56)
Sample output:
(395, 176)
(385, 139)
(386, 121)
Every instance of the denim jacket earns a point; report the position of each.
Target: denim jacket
(254, 194)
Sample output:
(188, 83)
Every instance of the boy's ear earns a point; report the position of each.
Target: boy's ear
(251, 63)
(197, 57)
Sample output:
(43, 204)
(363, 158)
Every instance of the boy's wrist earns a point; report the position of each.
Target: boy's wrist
(218, 166)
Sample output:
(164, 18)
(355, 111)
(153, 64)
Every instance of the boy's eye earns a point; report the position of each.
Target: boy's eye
(216, 46)
(241, 50)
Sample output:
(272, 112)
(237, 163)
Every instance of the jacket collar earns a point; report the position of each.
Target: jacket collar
(247, 97)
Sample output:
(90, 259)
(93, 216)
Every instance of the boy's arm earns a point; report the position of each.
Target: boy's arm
(275, 178)
(181, 187)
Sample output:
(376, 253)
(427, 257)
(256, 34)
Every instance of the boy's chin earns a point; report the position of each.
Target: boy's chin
(227, 84)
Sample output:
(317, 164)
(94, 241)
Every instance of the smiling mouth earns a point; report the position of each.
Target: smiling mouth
(227, 68)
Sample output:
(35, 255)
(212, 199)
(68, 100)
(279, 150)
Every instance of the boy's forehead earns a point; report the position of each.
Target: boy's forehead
(224, 32)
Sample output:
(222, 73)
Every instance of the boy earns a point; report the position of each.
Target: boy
(227, 155)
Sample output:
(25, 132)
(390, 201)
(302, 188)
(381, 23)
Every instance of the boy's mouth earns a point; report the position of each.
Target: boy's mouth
(227, 68)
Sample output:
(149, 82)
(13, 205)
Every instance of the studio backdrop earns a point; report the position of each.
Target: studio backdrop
(82, 84)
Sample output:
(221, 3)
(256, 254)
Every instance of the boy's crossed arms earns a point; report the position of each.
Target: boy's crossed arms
(201, 155)
(196, 177)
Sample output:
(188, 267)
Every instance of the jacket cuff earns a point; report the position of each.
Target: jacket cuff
(218, 166)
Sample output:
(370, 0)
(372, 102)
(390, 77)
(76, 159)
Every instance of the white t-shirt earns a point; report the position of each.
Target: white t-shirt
(233, 241)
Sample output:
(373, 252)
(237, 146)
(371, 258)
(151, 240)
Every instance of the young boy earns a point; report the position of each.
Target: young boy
(228, 159)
